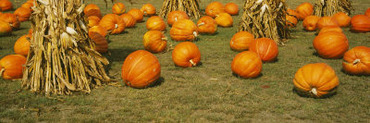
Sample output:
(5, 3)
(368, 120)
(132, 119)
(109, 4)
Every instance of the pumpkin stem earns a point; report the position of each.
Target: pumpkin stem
(195, 34)
(356, 61)
(200, 24)
(175, 18)
(314, 91)
(192, 63)
(115, 26)
(1, 72)
(164, 38)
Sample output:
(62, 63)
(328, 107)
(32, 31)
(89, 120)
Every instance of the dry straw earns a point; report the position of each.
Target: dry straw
(191, 7)
(330, 7)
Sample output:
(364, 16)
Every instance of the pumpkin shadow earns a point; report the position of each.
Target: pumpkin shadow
(237, 76)
(159, 82)
(343, 71)
(118, 54)
(309, 95)
(274, 61)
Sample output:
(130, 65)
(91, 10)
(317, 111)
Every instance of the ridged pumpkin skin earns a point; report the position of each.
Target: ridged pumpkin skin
(360, 23)
(97, 29)
(5, 5)
(291, 21)
(156, 23)
(310, 22)
(315, 80)
(331, 45)
(184, 30)
(207, 25)
(155, 41)
(326, 22)
(5, 28)
(11, 66)
(140, 69)
(342, 18)
(22, 45)
(176, 16)
(113, 23)
(129, 20)
(118, 8)
(367, 13)
(11, 19)
(137, 14)
(92, 10)
(214, 9)
(247, 64)
(101, 44)
(186, 54)
(232, 9)
(241, 41)
(292, 12)
(357, 61)
(93, 21)
(304, 10)
(266, 48)
(148, 9)
(224, 20)
(23, 14)
(330, 29)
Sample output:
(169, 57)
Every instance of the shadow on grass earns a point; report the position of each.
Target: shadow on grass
(310, 95)
(350, 74)
(159, 82)
(119, 54)
(236, 75)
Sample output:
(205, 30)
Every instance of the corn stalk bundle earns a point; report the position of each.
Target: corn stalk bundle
(330, 7)
(62, 58)
(265, 18)
(191, 7)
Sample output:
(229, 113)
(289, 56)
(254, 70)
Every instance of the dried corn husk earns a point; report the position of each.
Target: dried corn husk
(191, 7)
(331, 7)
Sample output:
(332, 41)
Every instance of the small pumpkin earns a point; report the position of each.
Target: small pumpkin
(156, 23)
(291, 21)
(241, 41)
(27, 5)
(93, 21)
(5, 28)
(5, 5)
(11, 19)
(129, 20)
(247, 64)
(118, 8)
(304, 10)
(342, 18)
(207, 25)
(137, 14)
(231, 8)
(292, 12)
(326, 22)
(148, 9)
(175, 16)
(23, 14)
(367, 13)
(30, 31)
(97, 29)
(360, 23)
(140, 69)
(331, 45)
(101, 44)
(184, 30)
(266, 48)
(22, 45)
(214, 9)
(11, 66)
(329, 29)
(357, 61)
(112, 23)
(92, 10)
(186, 54)
(310, 22)
(155, 41)
(224, 20)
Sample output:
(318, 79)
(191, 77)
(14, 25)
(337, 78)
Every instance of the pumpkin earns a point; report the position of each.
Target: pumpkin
(11, 66)
(241, 41)
(186, 54)
(329, 29)
(5, 5)
(207, 25)
(304, 10)
(112, 23)
(27, 5)
(92, 10)
(155, 41)
(5, 28)
(97, 29)
(30, 31)
(292, 12)
(310, 22)
(22, 45)
(23, 14)
(184, 30)
(357, 61)
(331, 45)
(156, 23)
(137, 14)
(214, 9)
(11, 19)
(246, 64)
(93, 21)
(291, 21)
(140, 69)
(231, 8)
(224, 20)
(148, 9)
(367, 13)
(118, 8)
(266, 48)
(175, 16)
(315, 80)
(360, 23)
(326, 22)
(129, 20)
(342, 18)
(101, 44)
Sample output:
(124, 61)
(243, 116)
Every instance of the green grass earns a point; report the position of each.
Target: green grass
(206, 93)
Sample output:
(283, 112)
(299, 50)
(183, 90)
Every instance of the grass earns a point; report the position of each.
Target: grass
(206, 93)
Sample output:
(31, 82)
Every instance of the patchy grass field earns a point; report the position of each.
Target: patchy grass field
(207, 93)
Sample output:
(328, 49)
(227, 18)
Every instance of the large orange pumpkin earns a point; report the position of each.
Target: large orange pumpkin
(367, 13)
(5, 5)
(101, 44)
(11, 19)
(326, 22)
(140, 69)
(310, 22)
(118, 8)
(214, 9)
(331, 45)
(224, 20)
(175, 16)
(11, 66)
(112, 23)
(247, 64)
(97, 29)
(231, 8)
(186, 54)
(155, 41)
(266, 48)
(5, 28)
(342, 18)
(156, 23)
(241, 41)
(22, 45)
(207, 25)
(291, 21)
(137, 14)
(129, 20)
(148, 9)
(360, 23)
(304, 10)
(92, 10)
(23, 14)
(315, 80)
(184, 30)
(357, 61)
(93, 21)
(329, 29)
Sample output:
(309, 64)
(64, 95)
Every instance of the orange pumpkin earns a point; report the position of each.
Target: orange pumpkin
(30, 31)
(112, 23)
(148, 9)
(326, 22)
(224, 20)
(304, 10)
(247, 64)
(92, 10)
(156, 23)
(207, 25)
(155, 41)
(97, 29)
(5, 5)
(367, 13)
(140, 69)
(357, 61)
(241, 41)
(137, 14)
(184, 30)
(93, 21)
(118, 8)
(129, 20)
(11, 66)
(5, 28)
(231, 8)
(23, 14)
(291, 21)
(342, 18)
(266, 48)
(292, 12)
(360, 23)
(315, 80)
(175, 16)
(22, 45)
(27, 5)
(214, 9)
(101, 44)
(310, 22)
(11, 19)
(331, 45)
(329, 29)
(186, 54)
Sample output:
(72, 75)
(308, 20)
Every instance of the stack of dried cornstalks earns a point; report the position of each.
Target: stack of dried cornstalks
(191, 7)
(330, 7)
(265, 18)
(62, 59)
